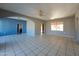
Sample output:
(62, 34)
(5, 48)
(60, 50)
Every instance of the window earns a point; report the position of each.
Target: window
(57, 26)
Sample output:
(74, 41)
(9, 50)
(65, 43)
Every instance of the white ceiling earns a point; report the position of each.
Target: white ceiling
(50, 10)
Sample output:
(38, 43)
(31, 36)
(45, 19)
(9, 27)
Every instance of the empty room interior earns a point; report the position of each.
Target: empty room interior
(39, 29)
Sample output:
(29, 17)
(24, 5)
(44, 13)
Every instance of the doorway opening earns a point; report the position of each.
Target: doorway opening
(42, 29)
(19, 28)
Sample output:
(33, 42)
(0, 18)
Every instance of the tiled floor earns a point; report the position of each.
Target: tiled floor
(23, 45)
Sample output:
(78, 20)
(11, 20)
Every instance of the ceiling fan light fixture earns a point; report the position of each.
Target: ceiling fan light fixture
(41, 13)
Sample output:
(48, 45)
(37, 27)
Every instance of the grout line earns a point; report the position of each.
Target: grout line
(45, 44)
(73, 48)
(58, 49)
(13, 48)
(20, 47)
(66, 46)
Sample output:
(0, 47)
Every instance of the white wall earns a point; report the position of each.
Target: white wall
(69, 27)
(33, 26)
(30, 28)
(77, 25)
(38, 28)
(38, 23)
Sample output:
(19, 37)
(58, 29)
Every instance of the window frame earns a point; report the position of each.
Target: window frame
(55, 25)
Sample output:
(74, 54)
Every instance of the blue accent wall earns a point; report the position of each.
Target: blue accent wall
(9, 26)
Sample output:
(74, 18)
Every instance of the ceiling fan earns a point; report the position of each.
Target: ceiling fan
(41, 13)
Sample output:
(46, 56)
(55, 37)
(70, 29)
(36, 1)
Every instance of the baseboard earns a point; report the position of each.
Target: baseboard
(69, 36)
